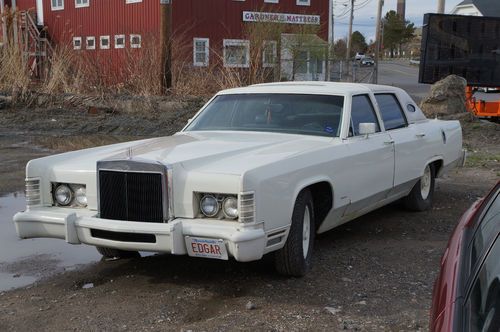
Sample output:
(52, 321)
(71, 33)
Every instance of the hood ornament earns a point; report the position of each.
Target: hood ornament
(129, 153)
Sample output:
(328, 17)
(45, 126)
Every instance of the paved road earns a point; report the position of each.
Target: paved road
(403, 75)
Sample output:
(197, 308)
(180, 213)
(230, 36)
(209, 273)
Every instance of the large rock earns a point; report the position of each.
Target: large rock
(447, 97)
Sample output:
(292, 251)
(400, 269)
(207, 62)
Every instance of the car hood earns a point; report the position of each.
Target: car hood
(215, 152)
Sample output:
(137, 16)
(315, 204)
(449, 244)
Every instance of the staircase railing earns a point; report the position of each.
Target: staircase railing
(37, 50)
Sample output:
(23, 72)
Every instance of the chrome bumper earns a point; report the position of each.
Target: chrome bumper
(244, 243)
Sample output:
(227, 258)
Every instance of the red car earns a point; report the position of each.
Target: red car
(466, 294)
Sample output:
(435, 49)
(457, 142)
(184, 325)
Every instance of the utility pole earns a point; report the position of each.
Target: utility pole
(441, 6)
(349, 40)
(331, 40)
(166, 44)
(4, 23)
(377, 38)
(14, 22)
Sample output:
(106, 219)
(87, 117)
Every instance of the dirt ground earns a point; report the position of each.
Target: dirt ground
(373, 274)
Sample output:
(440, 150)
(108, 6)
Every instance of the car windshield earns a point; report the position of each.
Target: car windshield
(318, 115)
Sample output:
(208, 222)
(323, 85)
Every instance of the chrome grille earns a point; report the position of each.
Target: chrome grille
(131, 196)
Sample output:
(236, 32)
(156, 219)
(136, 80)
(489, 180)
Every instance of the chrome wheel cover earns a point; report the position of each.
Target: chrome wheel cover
(425, 183)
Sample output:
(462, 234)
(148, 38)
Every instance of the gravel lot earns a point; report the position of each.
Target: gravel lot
(375, 273)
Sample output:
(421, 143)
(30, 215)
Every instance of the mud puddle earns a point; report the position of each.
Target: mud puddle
(23, 262)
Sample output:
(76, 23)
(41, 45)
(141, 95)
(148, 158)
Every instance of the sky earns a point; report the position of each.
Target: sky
(365, 13)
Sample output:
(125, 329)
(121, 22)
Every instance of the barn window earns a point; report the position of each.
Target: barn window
(104, 42)
(135, 41)
(303, 2)
(57, 4)
(236, 53)
(269, 53)
(119, 41)
(200, 52)
(272, 1)
(81, 3)
(90, 43)
(77, 43)
(132, 1)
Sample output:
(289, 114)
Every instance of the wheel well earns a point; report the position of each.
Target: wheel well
(322, 195)
(437, 164)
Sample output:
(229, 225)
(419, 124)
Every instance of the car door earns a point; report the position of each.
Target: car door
(408, 143)
(482, 269)
(371, 161)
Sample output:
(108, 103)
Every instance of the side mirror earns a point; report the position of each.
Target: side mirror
(367, 128)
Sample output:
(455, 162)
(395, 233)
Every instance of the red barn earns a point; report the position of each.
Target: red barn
(212, 29)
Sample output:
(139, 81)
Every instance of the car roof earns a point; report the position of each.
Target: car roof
(312, 87)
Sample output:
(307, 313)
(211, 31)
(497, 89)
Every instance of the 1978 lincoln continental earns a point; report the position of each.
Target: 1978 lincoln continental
(259, 169)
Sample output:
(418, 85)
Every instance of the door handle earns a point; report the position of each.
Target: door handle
(389, 142)
(420, 135)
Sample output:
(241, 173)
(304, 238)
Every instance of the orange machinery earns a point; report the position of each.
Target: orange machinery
(481, 108)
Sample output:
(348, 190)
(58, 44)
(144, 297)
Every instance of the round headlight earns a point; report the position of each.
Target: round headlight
(209, 206)
(81, 196)
(63, 195)
(230, 207)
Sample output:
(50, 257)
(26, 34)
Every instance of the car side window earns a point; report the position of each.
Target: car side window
(483, 302)
(362, 111)
(489, 221)
(391, 111)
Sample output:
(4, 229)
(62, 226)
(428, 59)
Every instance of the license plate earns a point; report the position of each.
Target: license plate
(208, 248)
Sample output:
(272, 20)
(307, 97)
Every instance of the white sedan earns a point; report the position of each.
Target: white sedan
(258, 170)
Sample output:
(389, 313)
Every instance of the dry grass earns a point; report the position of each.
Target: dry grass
(137, 71)
(14, 77)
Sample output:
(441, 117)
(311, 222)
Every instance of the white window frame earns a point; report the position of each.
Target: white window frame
(132, 1)
(57, 6)
(83, 4)
(271, 1)
(274, 45)
(124, 41)
(207, 50)
(303, 2)
(87, 43)
(100, 42)
(132, 45)
(75, 39)
(237, 42)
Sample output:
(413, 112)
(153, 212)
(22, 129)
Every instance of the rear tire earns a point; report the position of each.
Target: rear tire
(421, 196)
(294, 259)
(116, 253)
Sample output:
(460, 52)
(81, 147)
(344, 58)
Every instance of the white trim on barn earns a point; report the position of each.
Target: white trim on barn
(39, 12)
(201, 47)
(56, 5)
(135, 41)
(236, 53)
(104, 46)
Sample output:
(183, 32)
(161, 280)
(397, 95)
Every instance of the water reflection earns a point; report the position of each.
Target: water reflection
(24, 261)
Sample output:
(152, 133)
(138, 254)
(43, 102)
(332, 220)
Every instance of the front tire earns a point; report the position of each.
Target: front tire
(294, 259)
(111, 253)
(421, 196)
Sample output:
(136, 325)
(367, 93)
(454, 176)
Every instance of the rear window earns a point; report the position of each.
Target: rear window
(391, 111)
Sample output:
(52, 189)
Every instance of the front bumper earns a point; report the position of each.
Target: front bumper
(243, 242)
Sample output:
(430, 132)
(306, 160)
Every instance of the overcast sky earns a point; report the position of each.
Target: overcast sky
(366, 11)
